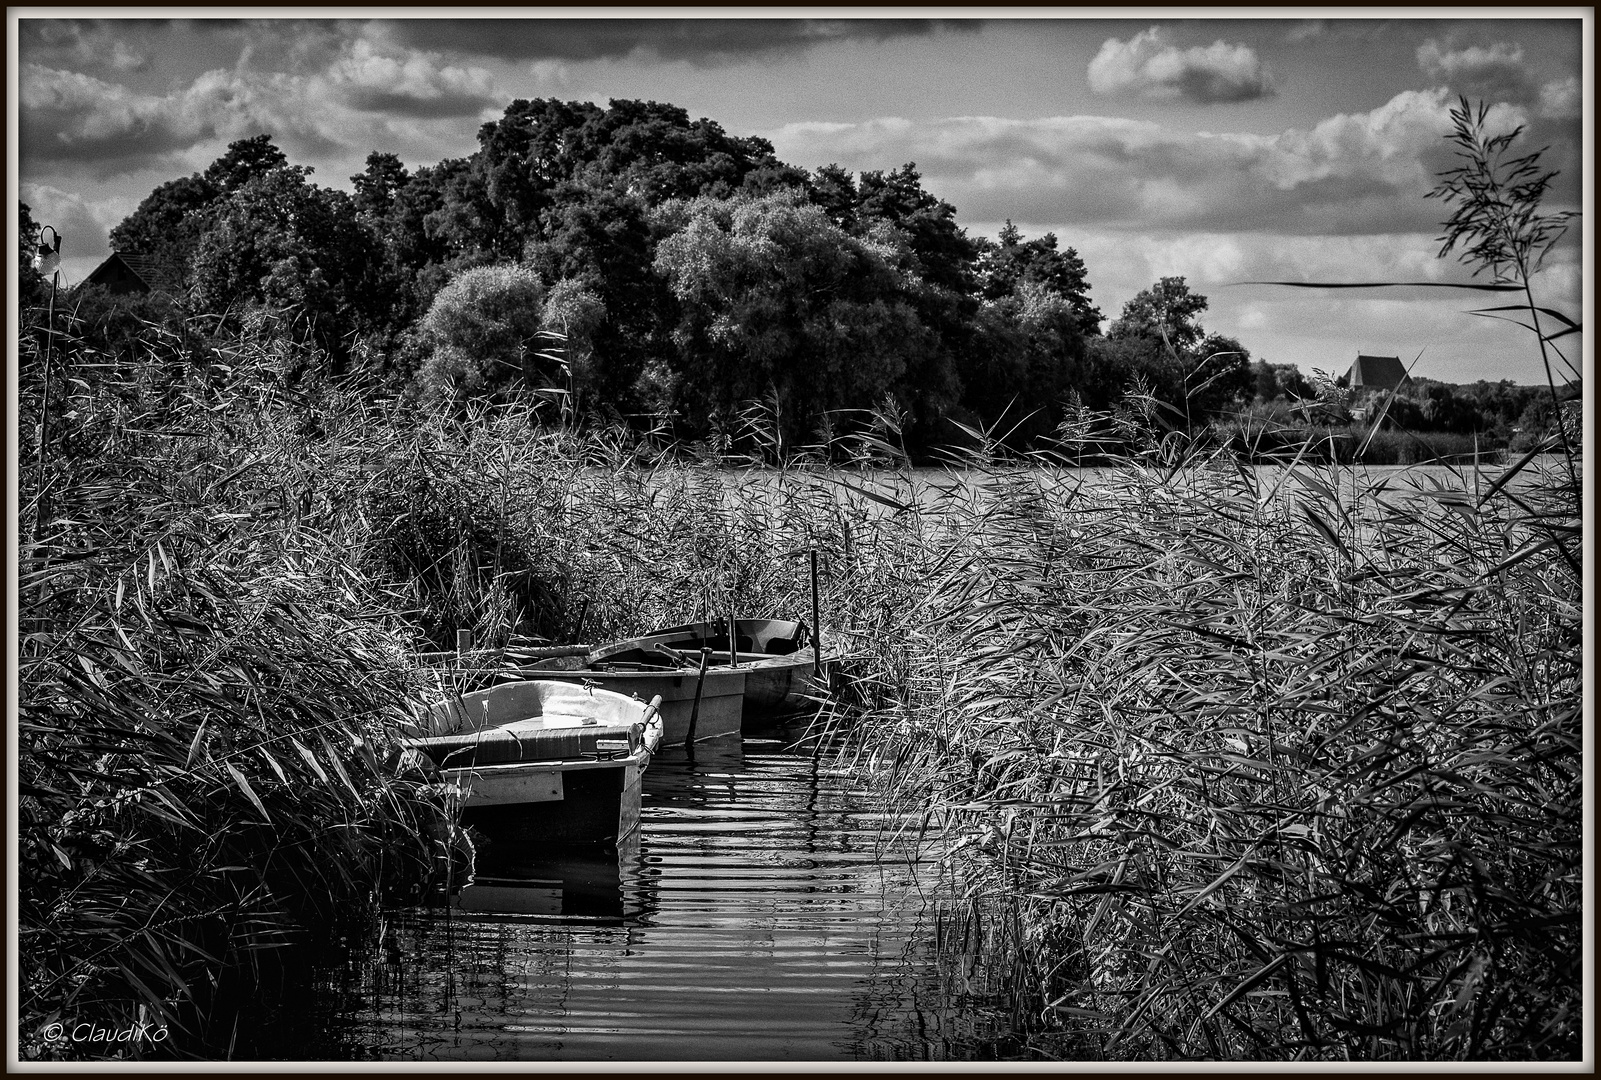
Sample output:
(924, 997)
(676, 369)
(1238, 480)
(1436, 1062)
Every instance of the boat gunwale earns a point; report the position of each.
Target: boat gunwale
(640, 757)
(637, 730)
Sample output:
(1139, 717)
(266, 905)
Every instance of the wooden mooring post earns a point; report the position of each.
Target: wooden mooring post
(817, 625)
(694, 710)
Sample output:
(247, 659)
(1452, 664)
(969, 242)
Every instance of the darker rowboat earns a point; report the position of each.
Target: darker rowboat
(776, 656)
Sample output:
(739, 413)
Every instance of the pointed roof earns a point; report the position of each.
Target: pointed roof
(1377, 372)
(131, 271)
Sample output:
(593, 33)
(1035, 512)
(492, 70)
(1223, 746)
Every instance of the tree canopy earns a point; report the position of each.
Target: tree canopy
(777, 300)
(484, 326)
(1159, 342)
(688, 271)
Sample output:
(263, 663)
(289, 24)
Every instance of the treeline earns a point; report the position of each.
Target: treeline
(1502, 409)
(1450, 419)
(686, 270)
(631, 264)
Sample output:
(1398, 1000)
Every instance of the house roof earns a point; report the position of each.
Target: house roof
(145, 269)
(1382, 372)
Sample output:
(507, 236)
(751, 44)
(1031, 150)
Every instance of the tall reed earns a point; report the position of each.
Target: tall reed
(205, 695)
(1279, 764)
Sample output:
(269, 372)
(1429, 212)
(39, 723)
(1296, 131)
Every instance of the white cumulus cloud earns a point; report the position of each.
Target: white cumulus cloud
(406, 82)
(124, 58)
(1147, 65)
(1439, 63)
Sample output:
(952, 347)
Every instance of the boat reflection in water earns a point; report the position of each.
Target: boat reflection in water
(516, 873)
(763, 911)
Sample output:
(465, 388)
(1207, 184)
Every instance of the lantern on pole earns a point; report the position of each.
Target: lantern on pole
(47, 260)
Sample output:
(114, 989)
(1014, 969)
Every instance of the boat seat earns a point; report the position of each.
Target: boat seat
(522, 740)
(783, 646)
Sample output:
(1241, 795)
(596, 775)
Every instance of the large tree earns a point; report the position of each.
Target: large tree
(1028, 353)
(378, 185)
(169, 224)
(599, 239)
(654, 150)
(484, 327)
(943, 251)
(833, 189)
(522, 158)
(1009, 262)
(1159, 342)
(1029, 356)
(411, 261)
(1167, 312)
(244, 161)
(297, 250)
(538, 149)
(777, 300)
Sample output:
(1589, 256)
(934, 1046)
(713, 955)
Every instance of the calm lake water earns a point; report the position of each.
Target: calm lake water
(760, 914)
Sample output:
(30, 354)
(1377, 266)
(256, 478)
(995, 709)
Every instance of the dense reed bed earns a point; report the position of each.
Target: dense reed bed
(1276, 762)
(1270, 762)
(1253, 763)
(206, 690)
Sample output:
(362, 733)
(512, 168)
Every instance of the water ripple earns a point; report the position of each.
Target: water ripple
(759, 915)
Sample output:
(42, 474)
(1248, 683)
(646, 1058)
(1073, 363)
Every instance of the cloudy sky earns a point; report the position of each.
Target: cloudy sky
(1224, 150)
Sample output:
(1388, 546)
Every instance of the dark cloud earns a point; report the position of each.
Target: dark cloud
(700, 41)
(92, 44)
(443, 107)
(124, 152)
(72, 119)
(76, 123)
(110, 46)
(1347, 206)
(1495, 72)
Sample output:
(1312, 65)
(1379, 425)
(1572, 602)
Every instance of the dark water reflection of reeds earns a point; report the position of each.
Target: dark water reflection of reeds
(760, 915)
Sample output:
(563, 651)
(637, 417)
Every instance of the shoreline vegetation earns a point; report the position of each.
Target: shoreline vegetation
(1235, 763)
(1240, 762)
(1247, 773)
